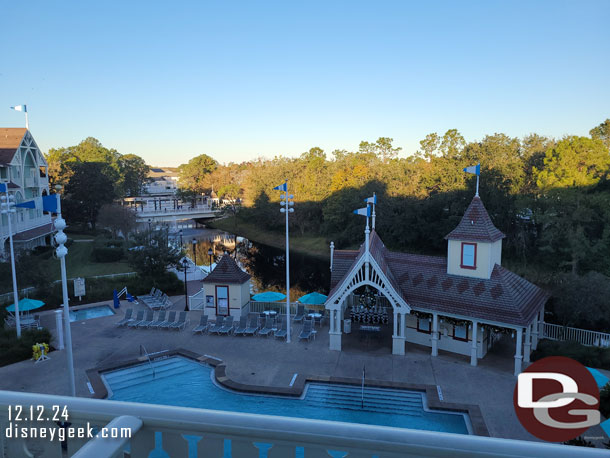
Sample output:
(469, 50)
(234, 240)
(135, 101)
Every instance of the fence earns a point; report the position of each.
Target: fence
(280, 307)
(582, 336)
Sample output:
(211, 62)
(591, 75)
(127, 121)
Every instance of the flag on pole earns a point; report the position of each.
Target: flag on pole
(23, 108)
(366, 211)
(371, 200)
(45, 203)
(282, 187)
(474, 169)
(3, 187)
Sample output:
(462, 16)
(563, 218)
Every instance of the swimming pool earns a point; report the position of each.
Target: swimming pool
(183, 382)
(90, 312)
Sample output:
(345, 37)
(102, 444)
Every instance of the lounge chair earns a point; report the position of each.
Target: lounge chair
(139, 318)
(217, 326)
(180, 322)
(252, 326)
(146, 322)
(171, 318)
(127, 318)
(149, 295)
(227, 327)
(160, 320)
(300, 314)
(307, 332)
(320, 321)
(268, 328)
(282, 332)
(241, 328)
(203, 325)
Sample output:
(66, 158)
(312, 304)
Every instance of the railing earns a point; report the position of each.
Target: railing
(147, 211)
(163, 428)
(143, 349)
(279, 307)
(582, 336)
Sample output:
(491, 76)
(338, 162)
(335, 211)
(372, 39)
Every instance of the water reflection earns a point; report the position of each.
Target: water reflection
(266, 264)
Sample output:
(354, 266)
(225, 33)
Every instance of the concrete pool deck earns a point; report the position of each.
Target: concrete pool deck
(270, 362)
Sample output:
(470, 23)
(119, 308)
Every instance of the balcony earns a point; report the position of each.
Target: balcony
(154, 427)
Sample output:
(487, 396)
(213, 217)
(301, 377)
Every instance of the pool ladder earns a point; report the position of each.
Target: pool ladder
(143, 349)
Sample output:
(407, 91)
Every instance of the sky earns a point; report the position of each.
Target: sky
(241, 80)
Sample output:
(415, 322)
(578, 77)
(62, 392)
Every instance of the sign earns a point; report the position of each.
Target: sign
(556, 399)
(79, 287)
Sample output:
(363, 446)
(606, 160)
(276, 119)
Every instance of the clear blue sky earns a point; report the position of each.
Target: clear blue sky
(237, 80)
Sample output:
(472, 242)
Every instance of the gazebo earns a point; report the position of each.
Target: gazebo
(457, 304)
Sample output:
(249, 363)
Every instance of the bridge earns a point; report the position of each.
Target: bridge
(170, 214)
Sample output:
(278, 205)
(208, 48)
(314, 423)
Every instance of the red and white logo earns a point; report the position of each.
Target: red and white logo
(556, 399)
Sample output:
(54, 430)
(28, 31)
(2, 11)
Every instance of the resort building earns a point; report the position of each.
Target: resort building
(24, 170)
(460, 303)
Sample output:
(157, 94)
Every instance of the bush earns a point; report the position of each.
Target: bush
(604, 401)
(106, 254)
(44, 251)
(589, 356)
(114, 243)
(13, 350)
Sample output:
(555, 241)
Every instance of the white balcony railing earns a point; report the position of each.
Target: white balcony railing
(245, 435)
(582, 336)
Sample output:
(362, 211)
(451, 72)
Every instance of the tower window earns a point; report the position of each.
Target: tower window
(469, 256)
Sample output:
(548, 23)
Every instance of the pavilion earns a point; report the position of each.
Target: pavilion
(457, 304)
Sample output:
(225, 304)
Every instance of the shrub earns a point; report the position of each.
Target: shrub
(604, 401)
(114, 243)
(44, 251)
(104, 254)
(589, 356)
(13, 350)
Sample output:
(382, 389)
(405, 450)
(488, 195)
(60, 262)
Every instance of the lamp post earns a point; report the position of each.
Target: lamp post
(149, 231)
(181, 239)
(185, 265)
(8, 207)
(286, 203)
(210, 253)
(194, 241)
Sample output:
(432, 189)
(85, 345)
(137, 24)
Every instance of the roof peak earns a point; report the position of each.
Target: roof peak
(476, 225)
(227, 271)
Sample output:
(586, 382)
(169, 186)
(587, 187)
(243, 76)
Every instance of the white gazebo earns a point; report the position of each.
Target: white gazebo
(459, 304)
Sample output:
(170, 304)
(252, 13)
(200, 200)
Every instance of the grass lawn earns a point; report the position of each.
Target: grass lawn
(313, 246)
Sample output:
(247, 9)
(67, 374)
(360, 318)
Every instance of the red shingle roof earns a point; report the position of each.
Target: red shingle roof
(476, 225)
(10, 139)
(31, 234)
(227, 271)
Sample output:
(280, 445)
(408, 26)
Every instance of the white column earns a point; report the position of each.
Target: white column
(335, 331)
(518, 353)
(331, 314)
(60, 329)
(474, 348)
(434, 334)
(398, 339)
(535, 333)
(528, 344)
(541, 323)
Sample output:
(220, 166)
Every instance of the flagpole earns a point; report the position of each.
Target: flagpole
(374, 201)
(62, 251)
(27, 124)
(287, 271)
(477, 192)
(8, 211)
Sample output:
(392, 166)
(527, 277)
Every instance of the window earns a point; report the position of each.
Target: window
(469, 256)
(460, 333)
(222, 300)
(423, 325)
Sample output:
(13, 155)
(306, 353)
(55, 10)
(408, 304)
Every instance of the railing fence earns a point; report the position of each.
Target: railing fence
(582, 336)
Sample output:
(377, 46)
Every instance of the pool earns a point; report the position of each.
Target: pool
(90, 312)
(183, 382)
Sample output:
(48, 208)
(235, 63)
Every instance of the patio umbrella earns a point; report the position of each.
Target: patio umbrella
(25, 305)
(268, 296)
(313, 299)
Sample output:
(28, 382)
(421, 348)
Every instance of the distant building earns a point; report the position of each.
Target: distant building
(162, 182)
(24, 170)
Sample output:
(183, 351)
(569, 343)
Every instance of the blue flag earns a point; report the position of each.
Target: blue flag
(3, 187)
(366, 211)
(45, 203)
(282, 187)
(371, 200)
(474, 169)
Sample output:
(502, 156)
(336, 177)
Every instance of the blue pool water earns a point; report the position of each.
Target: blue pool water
(183, 382)
(91, 312)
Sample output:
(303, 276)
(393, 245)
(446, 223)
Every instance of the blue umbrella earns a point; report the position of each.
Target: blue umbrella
(25, 305)
(313, 299)
(268, 296)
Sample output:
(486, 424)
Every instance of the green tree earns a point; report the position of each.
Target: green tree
(152, 255)
(194, 173)
(117, 218)
(133, 172)
(382, 148)
(602, 132)
(574, 161)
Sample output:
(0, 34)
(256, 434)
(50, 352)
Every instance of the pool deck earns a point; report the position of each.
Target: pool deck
(269, 362)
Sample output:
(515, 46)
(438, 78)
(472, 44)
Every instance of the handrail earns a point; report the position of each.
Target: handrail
(142, 347)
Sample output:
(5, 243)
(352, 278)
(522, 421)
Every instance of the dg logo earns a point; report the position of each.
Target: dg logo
(556, 399)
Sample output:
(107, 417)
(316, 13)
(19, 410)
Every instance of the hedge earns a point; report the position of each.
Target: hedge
(13, 350)
(103, 254)
(589, 356)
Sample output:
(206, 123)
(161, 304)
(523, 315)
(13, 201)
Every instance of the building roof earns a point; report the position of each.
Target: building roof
(423, 282)
(10, 139)
(31, 234)
(476, 225)
(227, 271)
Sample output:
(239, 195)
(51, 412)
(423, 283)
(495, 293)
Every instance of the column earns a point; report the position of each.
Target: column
(335, 332)
(434, 334)
(398, 339)
(518, 352)
(541, 323)
(528, 344)
(474, 348)
(60, 329)
(535, 333)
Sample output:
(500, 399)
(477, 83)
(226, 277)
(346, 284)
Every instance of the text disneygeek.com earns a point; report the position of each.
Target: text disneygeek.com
(19, 431)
